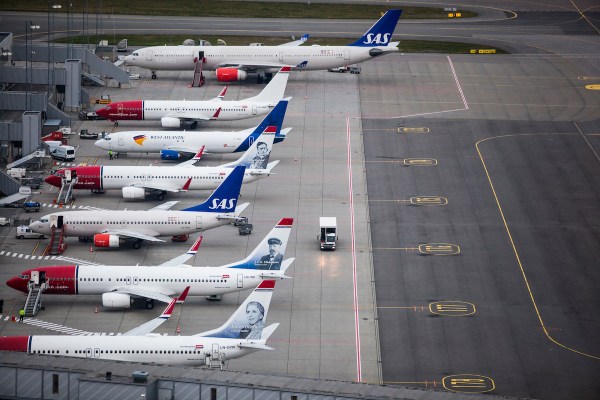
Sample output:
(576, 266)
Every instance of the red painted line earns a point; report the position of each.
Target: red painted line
(353, 246)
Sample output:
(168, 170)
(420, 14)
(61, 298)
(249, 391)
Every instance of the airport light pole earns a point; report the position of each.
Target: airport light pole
(29, 28)
(5, 53)
(51, 54)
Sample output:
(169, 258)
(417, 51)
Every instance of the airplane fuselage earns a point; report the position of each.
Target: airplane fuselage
(169, 280)
(174, 350)
(310, 58)
(117, 177)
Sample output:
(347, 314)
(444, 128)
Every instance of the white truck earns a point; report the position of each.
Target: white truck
(61, 151)
(328, 237)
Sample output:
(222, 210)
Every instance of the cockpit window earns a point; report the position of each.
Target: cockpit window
(135, 54)
(44, 220)
(22, 276)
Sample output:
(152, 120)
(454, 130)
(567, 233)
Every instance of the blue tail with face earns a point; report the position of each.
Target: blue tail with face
(381, 32)
(224, 198)
(274, 118)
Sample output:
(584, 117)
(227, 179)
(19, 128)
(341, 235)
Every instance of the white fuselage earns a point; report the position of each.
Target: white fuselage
(174, 350)
(153, 223)
(229, 110)
(202, 177)
(310, 58)
(155, 141)
(203, 281)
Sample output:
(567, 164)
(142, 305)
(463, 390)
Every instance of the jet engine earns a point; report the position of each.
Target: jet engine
(116, 300)
(136, 193)
(230, 74)
(169, 155)
(106, 240)
(170, 122)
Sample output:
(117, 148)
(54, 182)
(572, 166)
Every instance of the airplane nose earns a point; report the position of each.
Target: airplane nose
(17, 284)
(103, 112)
(103, 144)
(54, 180)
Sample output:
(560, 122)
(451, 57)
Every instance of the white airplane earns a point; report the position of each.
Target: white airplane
(111, 228)
(243, 333)
(172, 113)
(233, 63)
(173, 145)
(120, 285)
(137, 181)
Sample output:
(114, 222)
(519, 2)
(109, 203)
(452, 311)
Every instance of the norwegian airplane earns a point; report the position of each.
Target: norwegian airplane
(172, 113)
(173, 145)
(111, 228)
(243, 333)
(135, 182)
(119, 285)
(233, 63)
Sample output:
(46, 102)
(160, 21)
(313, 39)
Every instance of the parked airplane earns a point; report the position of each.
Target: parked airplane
(233, 63)
(119, 285)
(243, 333)
(173, 145)
(172, 113)
(137, 181)
(110, 228)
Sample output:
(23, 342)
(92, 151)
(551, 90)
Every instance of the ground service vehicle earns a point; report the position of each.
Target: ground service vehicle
(328, 236)
(62, 152)
(32, 206)
(23, 232)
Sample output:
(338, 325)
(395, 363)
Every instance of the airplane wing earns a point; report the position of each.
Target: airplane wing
(193, 160)
(194, 116)
(177, 261)
(164, 206)
(296, 42)
(166, 186)
(149, 235)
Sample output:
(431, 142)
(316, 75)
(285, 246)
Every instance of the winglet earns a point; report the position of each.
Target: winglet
(182, 296)
(199, 153)
(304, 37)
(216, 115)
(187, 185)
(194, 249)
(169, 310)
(285, 69)
(221, 95)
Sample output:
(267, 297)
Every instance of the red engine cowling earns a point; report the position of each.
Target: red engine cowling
(230, 74)
(106, 240)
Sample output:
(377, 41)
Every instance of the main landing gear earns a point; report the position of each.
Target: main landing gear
(153, 74)
(149, 304)
(137, 243)
(266, 78)
(161, 195)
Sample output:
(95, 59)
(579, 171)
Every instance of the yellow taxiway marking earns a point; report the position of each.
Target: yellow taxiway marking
(439, 249)
(468, 383)
(592, 87)
(452, 308)
(404, 129)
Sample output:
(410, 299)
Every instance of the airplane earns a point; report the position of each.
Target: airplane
(137, 181)
(119, 285)
(173, 145)
(173, 113)
(112, 228)
(233, 63)
(243, 333)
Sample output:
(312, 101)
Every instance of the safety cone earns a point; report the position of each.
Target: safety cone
(91, 249)
(14, 319)
(178, 331)
(96, 310)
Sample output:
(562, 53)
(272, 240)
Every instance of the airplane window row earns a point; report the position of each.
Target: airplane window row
(130, 223)
(170, 280)
(120, 352)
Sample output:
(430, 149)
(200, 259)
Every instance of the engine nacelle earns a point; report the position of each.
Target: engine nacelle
(170, 122)
(136, 193)
(230, 74)
(169, 155)
(116, 300)
(106, 240)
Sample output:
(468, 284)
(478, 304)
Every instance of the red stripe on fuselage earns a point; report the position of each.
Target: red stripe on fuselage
(14, 343)
(123, 110)
(59, 279)
(89, 177)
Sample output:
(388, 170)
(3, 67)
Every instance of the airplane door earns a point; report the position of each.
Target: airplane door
(96, 352)
(135, 280)
(240, 281)
(120, 109)
(215, 351)
(121, 140)
(281, 56)
(149, 55)
(254, 110)
(128, 280)
(346, 54)
(198, 222)
(88, 353)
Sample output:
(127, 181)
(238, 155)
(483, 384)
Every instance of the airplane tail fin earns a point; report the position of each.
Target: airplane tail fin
(275, 89)
(225, 197)
(273, 119)
(381, 32)
(257, 156)
(269, 253)
(248, 321)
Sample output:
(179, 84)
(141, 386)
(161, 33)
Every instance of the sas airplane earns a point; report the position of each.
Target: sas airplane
(173, 145)
(244, 332)
(173, 113)
(120, 285)
(137, 181)
(233, 63)
(111, 228)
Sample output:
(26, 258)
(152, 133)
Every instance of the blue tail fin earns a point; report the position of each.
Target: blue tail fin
(274, 118)
(381, 32)
(224, 198)
(249, 319)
